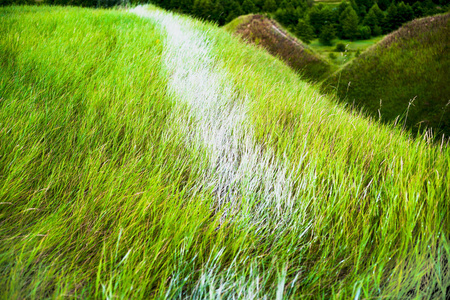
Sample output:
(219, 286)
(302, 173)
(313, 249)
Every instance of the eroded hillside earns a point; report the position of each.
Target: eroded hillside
(265, 32)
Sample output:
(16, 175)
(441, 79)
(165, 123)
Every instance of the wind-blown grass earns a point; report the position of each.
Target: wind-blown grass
(404, 75)
(103, 194)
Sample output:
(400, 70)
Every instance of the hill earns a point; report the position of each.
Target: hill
(265, 32)
(145, 155)
(407, 73)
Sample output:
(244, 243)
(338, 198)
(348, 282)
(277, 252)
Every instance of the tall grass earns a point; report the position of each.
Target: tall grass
(408, 66)
(102, 195)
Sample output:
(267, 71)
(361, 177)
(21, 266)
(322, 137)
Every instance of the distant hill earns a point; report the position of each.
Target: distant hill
(408, 73)
(265, 32)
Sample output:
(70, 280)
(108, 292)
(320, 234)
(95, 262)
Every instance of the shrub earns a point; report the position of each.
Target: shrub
(340, 47)
(364, 32)
(332, 55)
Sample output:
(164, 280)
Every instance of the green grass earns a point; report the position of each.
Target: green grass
(403, 76)
(352, 47)
(237, 22)
(328, 2)
(102, 197)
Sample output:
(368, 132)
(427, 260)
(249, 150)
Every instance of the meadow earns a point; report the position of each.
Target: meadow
(351, 46)
(149, 155)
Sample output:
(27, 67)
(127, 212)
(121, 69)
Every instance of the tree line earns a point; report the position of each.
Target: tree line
(352, 19)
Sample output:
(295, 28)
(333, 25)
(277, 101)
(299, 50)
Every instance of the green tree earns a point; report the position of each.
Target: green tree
(218, 13)
(375, 17)
(349, 21)
(304, 31)
(418, 9)
(405, 13)
(269, 6)
(327, 34)
(377, 31)
(364, 32)
(392, 21)
(249, 7)
(343, 6)
(287, 16)
(234, 10)
(383, 4)
(319, 16)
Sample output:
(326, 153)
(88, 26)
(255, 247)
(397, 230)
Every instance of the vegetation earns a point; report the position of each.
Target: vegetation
(327, 34)
(406, 74)
(340, 47)
(262, 31)
(106, 192)
(349, 18)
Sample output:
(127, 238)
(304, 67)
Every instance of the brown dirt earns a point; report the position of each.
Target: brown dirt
(262, 31)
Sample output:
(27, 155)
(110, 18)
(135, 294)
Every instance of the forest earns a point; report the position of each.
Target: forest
(353, 20)
(356, 19)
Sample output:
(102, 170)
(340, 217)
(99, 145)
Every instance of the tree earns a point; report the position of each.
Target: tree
(218, 13)
(363, 5)
(249, 7)
(364, 32)
(319, 16)
(343, 6)
(377, 31)
(391, 22)
(404, 13)
(327, 34)
(383, 4)
(287, 16)
(304, 31)
(234, 10)
(375, 17)
(349, 21)
(269, 6)
(418, 9)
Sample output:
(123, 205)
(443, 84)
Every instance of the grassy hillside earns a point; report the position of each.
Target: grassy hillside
(159, 157)
(265, 32)
(406, 74)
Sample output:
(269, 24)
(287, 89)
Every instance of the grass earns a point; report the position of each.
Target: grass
(331, 3)
(352, 47)
(414, 58)
(105, 196)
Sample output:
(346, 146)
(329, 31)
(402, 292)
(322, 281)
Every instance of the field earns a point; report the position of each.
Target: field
(148, 155)
(329, 2)
(351, 46)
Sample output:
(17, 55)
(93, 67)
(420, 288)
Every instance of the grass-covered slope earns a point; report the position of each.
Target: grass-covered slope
(159, 157)
(265, 32)
(406, 74)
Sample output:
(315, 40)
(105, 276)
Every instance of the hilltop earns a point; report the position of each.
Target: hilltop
(148, 155)
(406, 74)
(265, 32)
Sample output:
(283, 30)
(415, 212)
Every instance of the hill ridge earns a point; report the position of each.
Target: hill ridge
(267, 33)
(408, 71)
